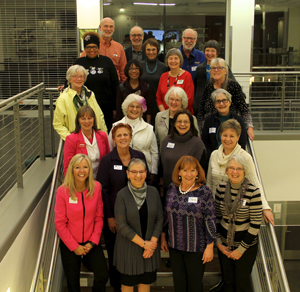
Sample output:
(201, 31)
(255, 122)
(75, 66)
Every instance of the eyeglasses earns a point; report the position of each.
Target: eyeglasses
(91, 48)
(183, 122)
(189, 39)
(135, 172)
(134, 69)
(238, 169)
(217, 68)
(78, 77)
(136, 35)
(224, 101)
(135, 106)
(174, 99)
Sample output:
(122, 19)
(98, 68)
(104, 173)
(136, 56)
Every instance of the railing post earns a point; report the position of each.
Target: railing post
(41, 124)
(282, 103)
(18, 147)
(51, 126)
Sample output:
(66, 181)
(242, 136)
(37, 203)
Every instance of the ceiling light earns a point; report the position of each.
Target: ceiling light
(144, 3)
(166, 4)
(122, 10)
(106, 3)
(257, 7)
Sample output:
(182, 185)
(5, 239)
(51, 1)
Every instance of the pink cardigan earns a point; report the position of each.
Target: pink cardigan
(75, 144)
(80, 221)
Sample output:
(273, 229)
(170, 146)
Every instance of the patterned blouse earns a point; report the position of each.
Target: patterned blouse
(190, 219)
(238, 105)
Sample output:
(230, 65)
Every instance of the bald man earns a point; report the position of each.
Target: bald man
(108, 47)
(136, 50)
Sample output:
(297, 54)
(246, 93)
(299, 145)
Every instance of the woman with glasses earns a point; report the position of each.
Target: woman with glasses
(183, 140)
(211, 135)
(219, 79)
(139, 219)
(133, 84)
(112, 176)
(143, 137)
(71, 100)
(102, 77)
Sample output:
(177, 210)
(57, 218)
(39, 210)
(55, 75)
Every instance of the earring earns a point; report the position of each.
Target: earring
(179, 177)
(197, 177)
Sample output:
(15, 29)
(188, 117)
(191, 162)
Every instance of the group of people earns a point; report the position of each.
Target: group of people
(154, 158)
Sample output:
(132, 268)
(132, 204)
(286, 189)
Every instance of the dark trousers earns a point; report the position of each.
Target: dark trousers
(188, 270)
(236, 273)
(110, 239)
(94, 261)
(108, 115)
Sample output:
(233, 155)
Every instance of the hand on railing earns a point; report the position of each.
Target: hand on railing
(268, 216)
(250, 133)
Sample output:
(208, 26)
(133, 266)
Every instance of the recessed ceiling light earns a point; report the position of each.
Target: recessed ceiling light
(144, 3)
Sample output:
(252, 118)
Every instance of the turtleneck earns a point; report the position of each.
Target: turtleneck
(236, 186)
(134, 123)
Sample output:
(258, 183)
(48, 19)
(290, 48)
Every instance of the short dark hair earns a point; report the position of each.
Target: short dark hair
(186, 161)
(192, 128)
(85, 109)
(212, 44)
(128, 65)
(151, 42)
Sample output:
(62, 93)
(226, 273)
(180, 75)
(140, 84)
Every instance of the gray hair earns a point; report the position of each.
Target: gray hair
(136, 26)
(220, 91)
(232, 124)
(172, 52)
(105, 18)
(240, 160)
(133, 98)
(219, 62)
(194, 31)
(73, 70)
(180, 93)
(135, 161)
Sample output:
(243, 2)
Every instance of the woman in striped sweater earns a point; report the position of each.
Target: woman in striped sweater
(239, 213)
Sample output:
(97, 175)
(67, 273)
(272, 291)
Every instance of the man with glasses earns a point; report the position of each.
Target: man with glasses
(109, 48)
(191, 56)
(136, 51)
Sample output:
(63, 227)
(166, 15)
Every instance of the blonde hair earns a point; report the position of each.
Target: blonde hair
(69, 181)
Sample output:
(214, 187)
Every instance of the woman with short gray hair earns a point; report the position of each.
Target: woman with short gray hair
(175, 77)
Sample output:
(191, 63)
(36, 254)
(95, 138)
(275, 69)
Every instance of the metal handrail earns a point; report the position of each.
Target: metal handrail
(267, 73)
(47, 222)
(271, 232)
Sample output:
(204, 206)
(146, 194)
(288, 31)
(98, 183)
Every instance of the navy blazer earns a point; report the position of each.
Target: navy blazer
(112, 176)
(128, 53)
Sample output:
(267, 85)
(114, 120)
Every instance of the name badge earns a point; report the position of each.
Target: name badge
(194, 68)
(244, 203)
(212, 130)
(193, 200)
(118, 167)
(170, 145)
(180, 81)
(71, 201)
(81, 145)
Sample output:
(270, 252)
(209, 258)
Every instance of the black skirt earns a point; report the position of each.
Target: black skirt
(132, 280)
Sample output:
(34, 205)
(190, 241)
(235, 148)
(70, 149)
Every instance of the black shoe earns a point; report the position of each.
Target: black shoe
(218, 288)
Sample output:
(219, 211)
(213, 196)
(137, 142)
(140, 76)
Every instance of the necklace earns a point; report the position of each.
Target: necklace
(187, 190)
(148, 70)
(168, 85)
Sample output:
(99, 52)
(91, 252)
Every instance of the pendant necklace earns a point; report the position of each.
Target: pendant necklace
(187, 190)
(154, 70)
(168, 85)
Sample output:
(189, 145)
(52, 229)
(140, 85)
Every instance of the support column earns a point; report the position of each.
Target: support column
(239, 38)
(89, 14)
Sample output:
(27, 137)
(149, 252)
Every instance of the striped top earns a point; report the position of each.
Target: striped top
(190, 219)
(248, 217)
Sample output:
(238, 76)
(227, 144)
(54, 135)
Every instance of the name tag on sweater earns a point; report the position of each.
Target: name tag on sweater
(212, 130)
(170, 145)
(118, 167)
(71, 201)
(194, 68)
(180, 81)
(81, 145)
(193, 200)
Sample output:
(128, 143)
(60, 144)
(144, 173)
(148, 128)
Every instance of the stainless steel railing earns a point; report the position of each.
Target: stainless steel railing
(42, 278)
(269, 264)
(22, 137)
(274, 100)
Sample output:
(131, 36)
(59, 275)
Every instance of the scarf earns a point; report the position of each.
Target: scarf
(139, 195)
(232, 207)
(80, 100)
(135, 124)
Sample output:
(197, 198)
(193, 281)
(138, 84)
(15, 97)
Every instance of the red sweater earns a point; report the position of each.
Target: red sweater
(184, 81)
(79, 221)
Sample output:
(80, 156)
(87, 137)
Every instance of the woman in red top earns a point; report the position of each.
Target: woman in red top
(86, 140)
(79, 222)
(175, 77)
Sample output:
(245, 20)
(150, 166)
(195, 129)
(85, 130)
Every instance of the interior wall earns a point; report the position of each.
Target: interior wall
(279, 165)
(18, 265)
(294, 24)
